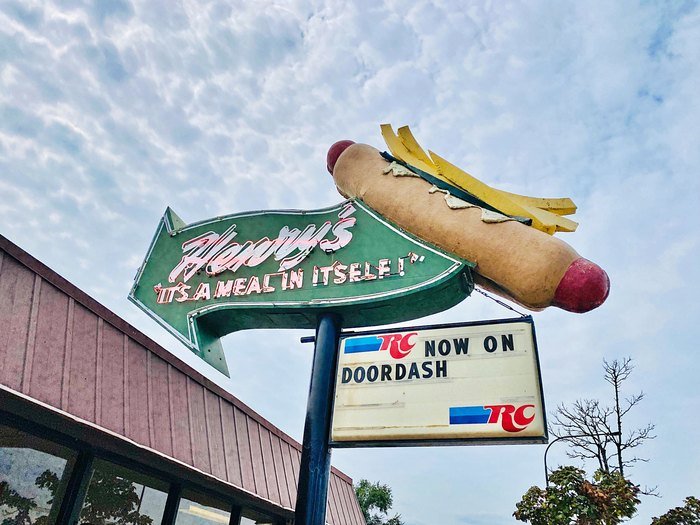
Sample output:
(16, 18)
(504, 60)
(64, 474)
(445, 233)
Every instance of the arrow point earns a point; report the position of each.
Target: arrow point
(173, 222)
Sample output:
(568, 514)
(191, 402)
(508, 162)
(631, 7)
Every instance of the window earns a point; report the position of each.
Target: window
(35, 472)
(197, 509)
(33, 477)
(119, 496)
(249, 517)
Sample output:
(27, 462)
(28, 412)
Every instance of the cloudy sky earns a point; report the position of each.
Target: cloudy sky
(114, 109)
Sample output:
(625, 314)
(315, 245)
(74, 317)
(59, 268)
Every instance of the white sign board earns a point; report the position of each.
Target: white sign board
(475, 382)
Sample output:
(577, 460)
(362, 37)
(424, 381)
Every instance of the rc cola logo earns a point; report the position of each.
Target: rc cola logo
(512, 418)
(398, 345)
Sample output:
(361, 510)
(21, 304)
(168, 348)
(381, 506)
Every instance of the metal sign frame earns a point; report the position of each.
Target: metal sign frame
(449, 441)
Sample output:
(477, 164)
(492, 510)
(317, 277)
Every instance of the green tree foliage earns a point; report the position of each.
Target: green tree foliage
(111, 500)
(571, 499)
(375, 501)
(688, 514)
(48, 480)
(13, 500)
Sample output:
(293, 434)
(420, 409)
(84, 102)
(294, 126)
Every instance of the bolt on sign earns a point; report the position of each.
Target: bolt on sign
(469, 383)
(281, 269)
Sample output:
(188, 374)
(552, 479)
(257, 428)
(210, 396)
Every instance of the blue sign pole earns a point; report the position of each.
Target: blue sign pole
(315, 467)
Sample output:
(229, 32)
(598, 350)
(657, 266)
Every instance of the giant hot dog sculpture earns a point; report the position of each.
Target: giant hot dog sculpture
(508, 236)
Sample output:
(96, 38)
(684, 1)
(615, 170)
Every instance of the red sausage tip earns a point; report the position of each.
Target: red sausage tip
(585, 286)
(334, 152)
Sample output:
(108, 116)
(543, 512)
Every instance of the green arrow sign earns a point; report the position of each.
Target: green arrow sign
(280, 269)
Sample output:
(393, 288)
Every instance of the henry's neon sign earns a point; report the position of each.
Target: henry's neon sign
(217, 253)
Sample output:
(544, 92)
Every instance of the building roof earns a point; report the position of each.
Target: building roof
(62, 348)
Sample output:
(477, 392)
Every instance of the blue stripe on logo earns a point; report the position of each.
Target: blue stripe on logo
(362, 344)
(469, 415)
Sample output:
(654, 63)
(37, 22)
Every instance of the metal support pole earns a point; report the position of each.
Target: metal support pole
(315, 467)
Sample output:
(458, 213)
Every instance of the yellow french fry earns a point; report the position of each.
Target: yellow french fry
(549, 219)
(399, 150)
(546, 213)
(541, 219)
(412, 145)
(560, 206)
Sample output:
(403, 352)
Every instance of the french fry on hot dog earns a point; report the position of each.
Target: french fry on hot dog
(508, 236)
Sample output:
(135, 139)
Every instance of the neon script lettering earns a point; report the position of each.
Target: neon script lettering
(217, 253)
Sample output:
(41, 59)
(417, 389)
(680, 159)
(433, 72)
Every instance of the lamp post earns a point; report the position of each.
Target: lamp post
(546, 473)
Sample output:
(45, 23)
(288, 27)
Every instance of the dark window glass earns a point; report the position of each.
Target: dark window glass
(33, 477)
(197, 509)
(119, 496)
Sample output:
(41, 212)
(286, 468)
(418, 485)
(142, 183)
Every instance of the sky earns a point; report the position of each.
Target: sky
(114, 109)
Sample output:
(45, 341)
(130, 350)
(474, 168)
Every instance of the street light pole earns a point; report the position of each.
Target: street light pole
(546, 472)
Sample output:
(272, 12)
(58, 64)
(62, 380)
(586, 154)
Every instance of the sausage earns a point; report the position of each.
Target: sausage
(512, 260)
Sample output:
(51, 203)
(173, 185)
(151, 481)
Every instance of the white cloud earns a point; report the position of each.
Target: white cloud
(110, 111)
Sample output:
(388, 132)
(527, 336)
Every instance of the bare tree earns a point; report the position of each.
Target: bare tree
(616, 372)
(598, 428)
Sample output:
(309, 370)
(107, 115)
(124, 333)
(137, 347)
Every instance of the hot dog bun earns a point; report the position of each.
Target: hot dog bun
(513, 260)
